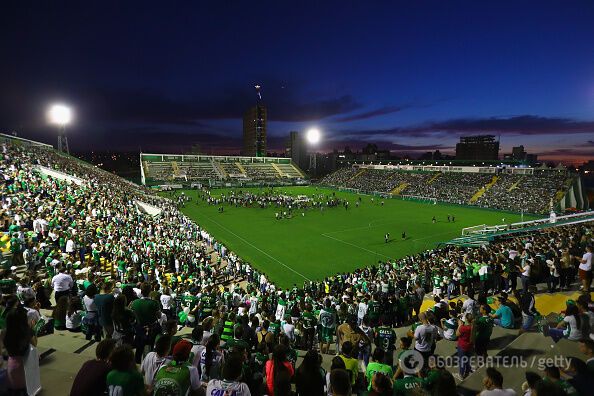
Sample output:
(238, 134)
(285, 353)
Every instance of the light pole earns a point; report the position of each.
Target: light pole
(61, 115)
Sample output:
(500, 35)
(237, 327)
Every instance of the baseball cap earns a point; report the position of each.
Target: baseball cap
(181, 350)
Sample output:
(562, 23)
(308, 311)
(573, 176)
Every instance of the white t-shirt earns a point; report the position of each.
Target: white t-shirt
(217, 387)
(89, 304)
(150, 365)
(62, 282)
(362, 310)
(70, 246)
(587, 266)
(166, 301)
(289, 330)
(75, 320)
(498, 392)
(424, 337)
(572, 332)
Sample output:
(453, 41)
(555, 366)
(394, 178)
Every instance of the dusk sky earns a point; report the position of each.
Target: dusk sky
(410, 76)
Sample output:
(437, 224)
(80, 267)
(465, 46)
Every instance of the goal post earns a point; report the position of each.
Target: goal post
(473, 230)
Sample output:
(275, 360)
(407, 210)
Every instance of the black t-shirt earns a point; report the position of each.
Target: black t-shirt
(90, 379)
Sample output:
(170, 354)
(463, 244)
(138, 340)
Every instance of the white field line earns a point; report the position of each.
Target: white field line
(260, 250)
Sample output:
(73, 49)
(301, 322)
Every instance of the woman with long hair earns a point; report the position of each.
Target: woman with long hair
(310, 377)
(211, 360)
(74, 314)
(18, 335)
(59, 313)
(279, 366)
(570, 327)
(123, 321)
(91, 319)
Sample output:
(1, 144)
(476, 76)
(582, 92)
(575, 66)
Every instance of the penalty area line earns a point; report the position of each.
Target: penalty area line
(258, 249)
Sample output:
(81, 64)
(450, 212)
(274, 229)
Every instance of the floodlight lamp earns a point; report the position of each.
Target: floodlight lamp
(313, 136)
(60, 114)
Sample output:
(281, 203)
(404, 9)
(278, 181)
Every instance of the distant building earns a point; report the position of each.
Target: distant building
(519, 154)
(477, 148)
(254, 131)
(296, 148)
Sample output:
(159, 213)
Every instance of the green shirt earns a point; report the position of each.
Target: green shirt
(172, 379)
(406, 386)
(146, 310)
(375, 367)
(385, 338)
(125, 383)
(483, 328)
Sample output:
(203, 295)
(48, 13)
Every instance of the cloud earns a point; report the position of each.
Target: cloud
(373, 113)
(517, 125)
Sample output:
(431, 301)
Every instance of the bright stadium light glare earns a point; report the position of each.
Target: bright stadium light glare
(313, 136)
(60, 114)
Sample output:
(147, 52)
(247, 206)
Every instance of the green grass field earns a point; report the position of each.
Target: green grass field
(323, 243)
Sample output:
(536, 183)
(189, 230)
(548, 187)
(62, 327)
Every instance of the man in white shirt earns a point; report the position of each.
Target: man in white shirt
(425, 337)
(61, 283)
(70, 247)
(154, 360)
(361, 311)
(585, 269)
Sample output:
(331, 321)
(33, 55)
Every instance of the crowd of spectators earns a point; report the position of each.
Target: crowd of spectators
(167, 272)
(532, 193)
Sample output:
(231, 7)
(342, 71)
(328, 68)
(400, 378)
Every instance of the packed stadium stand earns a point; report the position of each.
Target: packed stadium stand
(514, 189)
(164, 168)
(83, 263)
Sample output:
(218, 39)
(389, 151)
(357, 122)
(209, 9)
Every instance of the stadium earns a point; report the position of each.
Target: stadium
(341, 245)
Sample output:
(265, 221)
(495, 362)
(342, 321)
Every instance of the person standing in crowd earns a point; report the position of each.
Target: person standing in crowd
(61, 283)
(350, 363)
(528, 306)
(377, 366)
(92, 376)
(147, 312)
(104, 303)
(178, 377)
(327, 326)
(276, 367)
(340, 384)
(585, 269)
(232, 383)
(18, 338)
(124, 379)
(309, 376)
(464, 346)
(425, 336)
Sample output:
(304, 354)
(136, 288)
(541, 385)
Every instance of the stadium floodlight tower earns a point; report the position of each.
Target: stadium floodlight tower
(61, 116)
(313, 137)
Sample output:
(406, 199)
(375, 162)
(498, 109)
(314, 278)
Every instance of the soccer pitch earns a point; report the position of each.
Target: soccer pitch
(322, 243)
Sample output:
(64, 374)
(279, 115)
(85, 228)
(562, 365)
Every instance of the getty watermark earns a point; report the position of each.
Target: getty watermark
(412, 361)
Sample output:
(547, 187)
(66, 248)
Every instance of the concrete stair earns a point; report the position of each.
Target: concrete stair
(484, 189)
(437, 174)
(398, 190)
(362, 171)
